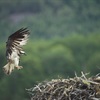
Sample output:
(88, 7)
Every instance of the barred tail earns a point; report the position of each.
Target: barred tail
(8, 68)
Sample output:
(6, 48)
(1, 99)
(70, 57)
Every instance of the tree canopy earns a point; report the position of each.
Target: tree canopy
(64, 39)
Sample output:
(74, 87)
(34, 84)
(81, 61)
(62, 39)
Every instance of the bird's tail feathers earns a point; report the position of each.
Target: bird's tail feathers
(8, 68)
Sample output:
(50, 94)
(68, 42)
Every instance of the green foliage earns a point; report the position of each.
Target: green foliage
(49, 18)
(47, 59)
(64, 39)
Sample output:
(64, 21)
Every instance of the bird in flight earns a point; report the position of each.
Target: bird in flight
(14, 49)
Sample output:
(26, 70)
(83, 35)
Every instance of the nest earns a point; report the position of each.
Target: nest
(77, 88)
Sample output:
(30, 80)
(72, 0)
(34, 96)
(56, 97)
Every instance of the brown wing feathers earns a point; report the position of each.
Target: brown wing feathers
(19, 34)
(17, 40)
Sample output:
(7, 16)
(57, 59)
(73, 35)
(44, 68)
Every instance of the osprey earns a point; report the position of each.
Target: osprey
(14, 49)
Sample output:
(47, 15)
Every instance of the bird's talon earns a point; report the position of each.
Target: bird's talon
(19, 67)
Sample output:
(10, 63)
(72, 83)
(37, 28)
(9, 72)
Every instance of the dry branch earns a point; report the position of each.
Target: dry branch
(77, 88)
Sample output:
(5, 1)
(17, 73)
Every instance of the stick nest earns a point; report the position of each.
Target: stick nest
(77, 88)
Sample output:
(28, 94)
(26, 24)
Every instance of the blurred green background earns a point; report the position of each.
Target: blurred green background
(65, 38)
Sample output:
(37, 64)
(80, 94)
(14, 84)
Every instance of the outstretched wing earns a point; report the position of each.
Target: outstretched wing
(16, 41)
